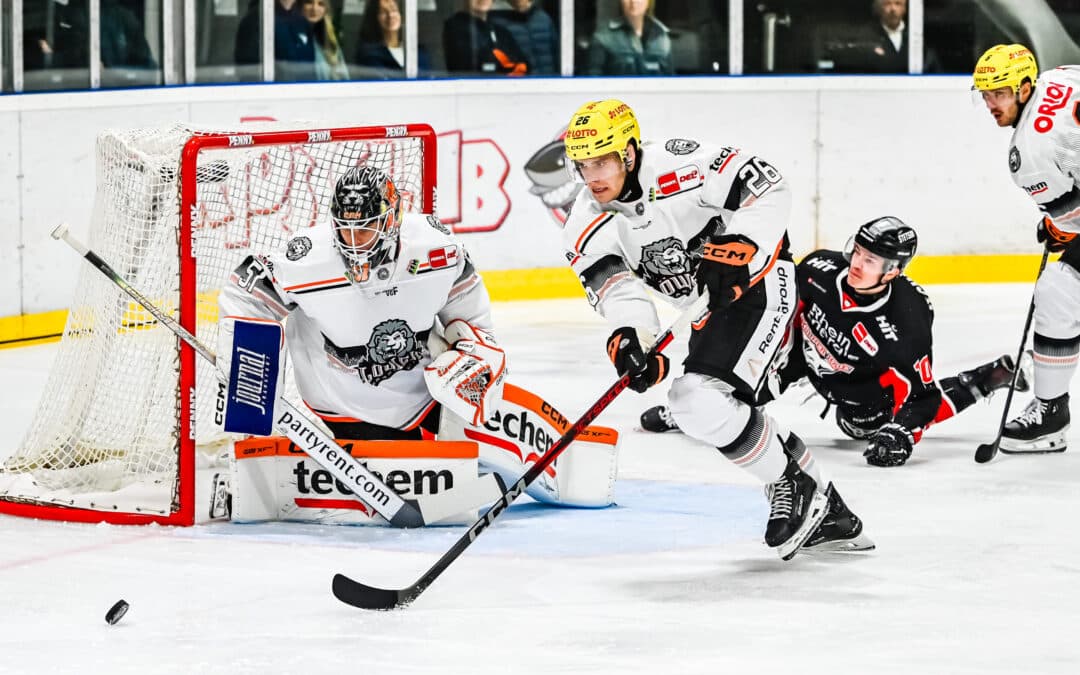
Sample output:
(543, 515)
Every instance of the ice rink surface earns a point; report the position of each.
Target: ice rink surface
(977, 568)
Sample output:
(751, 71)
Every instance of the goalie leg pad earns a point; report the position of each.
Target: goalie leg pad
(468, 378)
(518, 434)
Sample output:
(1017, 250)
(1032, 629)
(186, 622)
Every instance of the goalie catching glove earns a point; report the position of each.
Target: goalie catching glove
(468, 377)
(625, 349)
(890, 446)
(724, 269)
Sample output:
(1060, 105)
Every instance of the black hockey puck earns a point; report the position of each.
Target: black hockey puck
(116, 612)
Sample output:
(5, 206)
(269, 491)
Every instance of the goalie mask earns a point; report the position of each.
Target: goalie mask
(888, 238)
(366, 216)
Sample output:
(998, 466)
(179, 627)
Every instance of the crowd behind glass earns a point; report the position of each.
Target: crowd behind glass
(48, 45)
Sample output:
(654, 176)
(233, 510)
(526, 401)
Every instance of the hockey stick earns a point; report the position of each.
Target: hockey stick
(361, 595)
(987, 451)
(365, 486)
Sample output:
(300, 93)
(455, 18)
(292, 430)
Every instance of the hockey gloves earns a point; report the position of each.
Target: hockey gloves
(626, 352)
(1050, 236)
(724, 269)
(467, 379)
(890, 446)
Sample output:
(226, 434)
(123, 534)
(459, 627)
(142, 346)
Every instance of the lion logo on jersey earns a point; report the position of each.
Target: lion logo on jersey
(389, 339)
(666, 267)
(392, 347)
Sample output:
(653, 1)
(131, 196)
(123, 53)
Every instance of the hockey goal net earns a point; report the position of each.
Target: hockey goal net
(128, 410)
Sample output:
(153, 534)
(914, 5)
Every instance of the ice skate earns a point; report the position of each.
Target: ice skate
(841, 531)
(1041, 428)
(658, 419)
(984, 380)
(797, 508)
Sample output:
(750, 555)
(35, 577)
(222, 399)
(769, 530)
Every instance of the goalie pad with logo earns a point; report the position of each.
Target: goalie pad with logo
(273, 479)
(519, 432)
(467, 379)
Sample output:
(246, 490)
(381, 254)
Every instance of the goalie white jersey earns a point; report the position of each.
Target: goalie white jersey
(654, 235)
(359, 350)
(1044, 158)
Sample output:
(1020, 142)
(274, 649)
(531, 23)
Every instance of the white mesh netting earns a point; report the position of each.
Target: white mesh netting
(106, 433)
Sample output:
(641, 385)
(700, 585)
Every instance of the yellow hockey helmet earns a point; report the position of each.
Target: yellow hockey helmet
(599, 128)
(1005, 66)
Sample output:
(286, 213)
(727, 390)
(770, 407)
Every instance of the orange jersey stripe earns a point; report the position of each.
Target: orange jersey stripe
(772, 262)
(589, 229)
(316, 283)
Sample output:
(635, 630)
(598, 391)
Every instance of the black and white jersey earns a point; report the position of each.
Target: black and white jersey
(1044, 158)
(652, 238)
(856, 345)
(359, 349)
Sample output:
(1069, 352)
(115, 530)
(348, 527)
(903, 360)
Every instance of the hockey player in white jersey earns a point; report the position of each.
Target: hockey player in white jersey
(679, 217)
(1044, 160)
(364, 296)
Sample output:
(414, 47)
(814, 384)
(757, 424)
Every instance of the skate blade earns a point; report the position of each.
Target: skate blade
(819, 508)
(859, 544)
(1040, 446)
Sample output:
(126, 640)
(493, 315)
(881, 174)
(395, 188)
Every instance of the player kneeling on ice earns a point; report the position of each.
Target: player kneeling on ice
(679, 217)
(863, 339)
(389, 330)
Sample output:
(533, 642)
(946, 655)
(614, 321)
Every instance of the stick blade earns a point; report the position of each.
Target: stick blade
(366, 597)
(985, 452)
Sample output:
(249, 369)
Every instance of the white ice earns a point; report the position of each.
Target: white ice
(977, 568)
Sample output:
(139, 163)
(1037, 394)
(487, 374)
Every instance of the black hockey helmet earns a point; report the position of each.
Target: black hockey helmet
(887, 237)
(366, 215)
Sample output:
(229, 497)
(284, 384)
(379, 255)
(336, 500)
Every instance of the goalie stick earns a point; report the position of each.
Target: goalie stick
(365, 486)
(361, 595)
(987, 451)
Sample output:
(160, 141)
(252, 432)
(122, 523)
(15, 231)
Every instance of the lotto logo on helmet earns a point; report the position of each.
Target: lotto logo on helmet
(615, 112)
(581, 133)
(1005, 66)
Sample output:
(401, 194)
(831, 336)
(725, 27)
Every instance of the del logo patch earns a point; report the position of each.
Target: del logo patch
(437, 259)
(680, 179)
(862, 336)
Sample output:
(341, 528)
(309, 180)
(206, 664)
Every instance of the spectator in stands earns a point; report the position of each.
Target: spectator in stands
(294, 43)
(535, 33)
(634, 44)
(475, 45)
(123, 40)
(381, 46)
(329, 59)
(881, 47)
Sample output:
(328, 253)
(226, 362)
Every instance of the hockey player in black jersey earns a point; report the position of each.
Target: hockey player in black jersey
(863, 338)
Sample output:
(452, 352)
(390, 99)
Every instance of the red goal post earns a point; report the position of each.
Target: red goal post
(127, 413)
